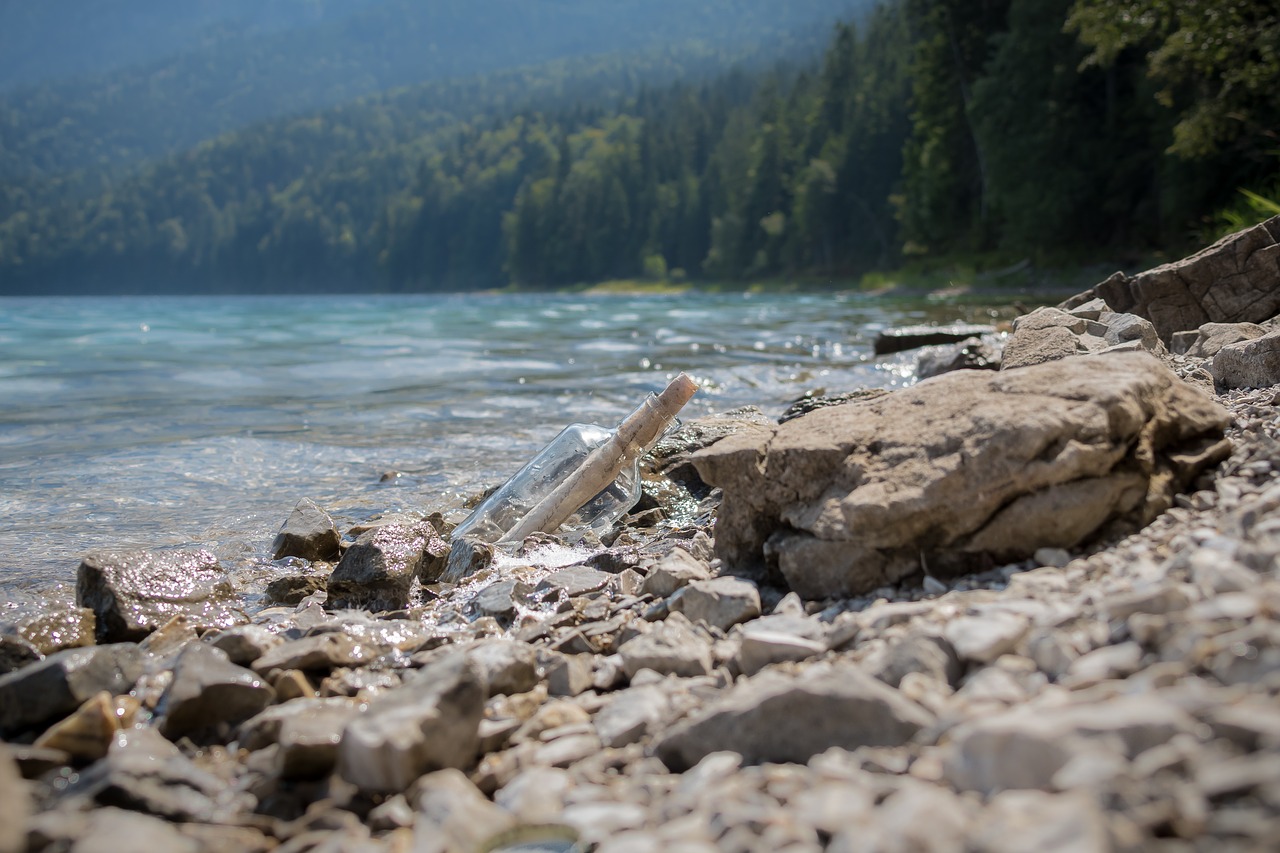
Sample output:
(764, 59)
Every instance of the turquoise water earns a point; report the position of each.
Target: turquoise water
(156, 422)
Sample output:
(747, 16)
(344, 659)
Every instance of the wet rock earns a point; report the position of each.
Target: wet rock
(673, 571)
(914, 337)
(321, 652)
(15, 805)
(87, 734)
(720, 602)
(790, 718)
(207, 689)
(1249, 364)
(131, 593)
(430, 723)
(1210, 338)
(377, 571)
(72, 628)
(308, 532)
(244, 644)
(292, 589)
(1235, 280)
(575, 581)
(15, 653)
(44, 692)
(969, 354)
(501, 598)
(144, 772)
(965, 470)
(467, 556)
(672, 648)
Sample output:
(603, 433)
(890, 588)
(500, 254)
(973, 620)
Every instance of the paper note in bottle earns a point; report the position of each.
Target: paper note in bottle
(587, 477)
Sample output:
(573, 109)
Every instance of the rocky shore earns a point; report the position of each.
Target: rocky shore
(1032, 608)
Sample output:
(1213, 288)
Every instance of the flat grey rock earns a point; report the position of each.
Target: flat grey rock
(778, 717)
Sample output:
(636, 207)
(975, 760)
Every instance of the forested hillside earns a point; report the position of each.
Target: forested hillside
(253, 63)
(1012, 128)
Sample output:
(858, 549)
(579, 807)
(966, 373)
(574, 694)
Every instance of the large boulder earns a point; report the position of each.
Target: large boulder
(132, 593)
(1236, 280)
(959, 472)
(1248, 363)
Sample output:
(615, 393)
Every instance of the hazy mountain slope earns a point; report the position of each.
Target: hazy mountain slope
(170, 104)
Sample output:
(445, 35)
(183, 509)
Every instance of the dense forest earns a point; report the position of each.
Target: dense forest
(927, 128)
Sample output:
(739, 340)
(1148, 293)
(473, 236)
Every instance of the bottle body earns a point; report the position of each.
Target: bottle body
(503, 510)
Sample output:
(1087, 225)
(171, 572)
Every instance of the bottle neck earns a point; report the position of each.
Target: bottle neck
(641, 429)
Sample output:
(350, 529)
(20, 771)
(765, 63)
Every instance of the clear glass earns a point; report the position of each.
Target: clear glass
(501, 511)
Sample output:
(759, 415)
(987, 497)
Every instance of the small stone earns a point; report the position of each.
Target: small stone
(568, 675)
(1249, 364)
(1052, 557)
(430, 723)
(321, 652)
(71, 628)
(292, 589)
(309, 737)
(720, 602)
(109, 830)
(672, 648)
(1017, 821)
(632, 714)
(208, 689)
(131, 593)
(985, 638)
(152, 775)
(453, 814)
(292, 684)
(244, 644)
(761, 647)
(308, 533)
(673, 571)
(15, 653)
(44, 692)
(501, 598)
(377, 572)
(467, 556)
(87, 734)
(790, 718)
(1104, 663)
(575, 581)
(504, 667)
(15, 805)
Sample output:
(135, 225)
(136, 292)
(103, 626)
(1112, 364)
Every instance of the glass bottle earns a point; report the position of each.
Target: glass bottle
(586, 478)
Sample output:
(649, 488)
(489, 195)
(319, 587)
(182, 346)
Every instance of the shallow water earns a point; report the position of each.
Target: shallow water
(157, 422)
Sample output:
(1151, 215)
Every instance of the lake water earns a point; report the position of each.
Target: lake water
(158, 422)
